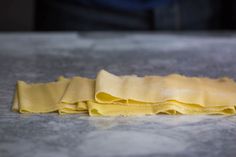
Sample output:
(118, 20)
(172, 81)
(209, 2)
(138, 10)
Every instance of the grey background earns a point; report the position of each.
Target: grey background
(40, 57)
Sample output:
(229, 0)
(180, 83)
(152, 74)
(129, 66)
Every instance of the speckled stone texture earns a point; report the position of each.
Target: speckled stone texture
(41, 57)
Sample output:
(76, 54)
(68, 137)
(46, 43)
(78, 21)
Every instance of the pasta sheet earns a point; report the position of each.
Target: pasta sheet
(111, 95)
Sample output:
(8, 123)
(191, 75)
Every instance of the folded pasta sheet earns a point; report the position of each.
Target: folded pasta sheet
(111, 95)
(78, 93)
(39, 98)
(171, 108)
(156, 89)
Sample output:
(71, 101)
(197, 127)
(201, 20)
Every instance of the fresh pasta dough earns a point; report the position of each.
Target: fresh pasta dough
(111, 95)
(156, 89)
(39, 98)
(79, 91)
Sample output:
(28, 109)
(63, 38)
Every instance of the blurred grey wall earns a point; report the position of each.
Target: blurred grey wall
(16, 15)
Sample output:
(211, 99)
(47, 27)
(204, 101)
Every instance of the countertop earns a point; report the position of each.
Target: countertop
(41, 57)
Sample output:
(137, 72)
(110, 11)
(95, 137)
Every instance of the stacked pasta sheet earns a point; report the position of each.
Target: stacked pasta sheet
(111, 95)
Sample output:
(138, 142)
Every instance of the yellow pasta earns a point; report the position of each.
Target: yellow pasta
(79, 91)
(111, 95)
(156, 89)
(39, 98)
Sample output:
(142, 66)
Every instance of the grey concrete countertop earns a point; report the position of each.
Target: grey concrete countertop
(41, 57)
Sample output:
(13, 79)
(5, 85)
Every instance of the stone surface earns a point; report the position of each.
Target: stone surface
(41, 57)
